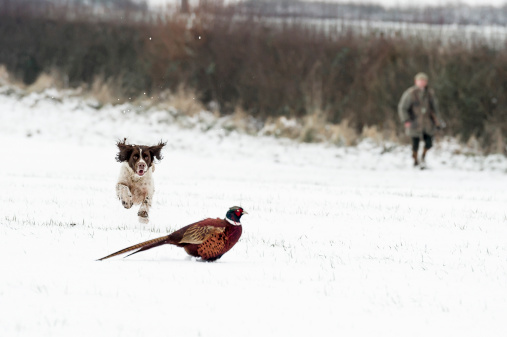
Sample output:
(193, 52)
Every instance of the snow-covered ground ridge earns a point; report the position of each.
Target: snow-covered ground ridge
(84, 121)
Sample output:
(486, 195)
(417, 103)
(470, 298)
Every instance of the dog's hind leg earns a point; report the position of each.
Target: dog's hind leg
(144, 209)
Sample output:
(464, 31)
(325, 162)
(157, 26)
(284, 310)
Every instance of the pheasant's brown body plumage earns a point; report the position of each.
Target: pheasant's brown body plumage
(217, 244)
(208, 239)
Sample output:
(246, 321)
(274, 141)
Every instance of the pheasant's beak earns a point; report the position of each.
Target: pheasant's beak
(244, 212)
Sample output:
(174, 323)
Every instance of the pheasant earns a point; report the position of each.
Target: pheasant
(208, 239)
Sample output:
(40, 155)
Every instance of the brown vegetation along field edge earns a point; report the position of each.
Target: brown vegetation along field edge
(289, 70)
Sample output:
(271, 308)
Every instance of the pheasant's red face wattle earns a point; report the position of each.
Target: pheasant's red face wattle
(239, 212)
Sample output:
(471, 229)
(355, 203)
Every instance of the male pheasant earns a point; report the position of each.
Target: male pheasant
(208, 239)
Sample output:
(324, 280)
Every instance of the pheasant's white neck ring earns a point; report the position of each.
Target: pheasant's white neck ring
(232, 222)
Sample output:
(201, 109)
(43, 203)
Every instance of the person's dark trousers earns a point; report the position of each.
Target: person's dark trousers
(428, 143)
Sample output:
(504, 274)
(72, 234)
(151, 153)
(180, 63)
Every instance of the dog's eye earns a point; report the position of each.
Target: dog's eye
(135, 157)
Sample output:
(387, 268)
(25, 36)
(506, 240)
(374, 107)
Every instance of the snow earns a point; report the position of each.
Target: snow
(338, 241)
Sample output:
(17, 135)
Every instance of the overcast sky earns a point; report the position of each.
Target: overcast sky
(387, 3)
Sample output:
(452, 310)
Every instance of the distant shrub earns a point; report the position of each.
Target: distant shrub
(266, 68)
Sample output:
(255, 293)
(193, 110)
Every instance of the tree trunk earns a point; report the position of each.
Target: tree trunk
(185, 8)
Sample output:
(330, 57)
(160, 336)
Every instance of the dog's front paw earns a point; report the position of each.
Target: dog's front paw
(127, 203)
(126, 198)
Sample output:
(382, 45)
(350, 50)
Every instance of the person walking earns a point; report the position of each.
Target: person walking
(418, 110)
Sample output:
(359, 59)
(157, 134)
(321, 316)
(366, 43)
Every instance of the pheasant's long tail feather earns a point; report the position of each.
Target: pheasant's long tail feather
(143, 246)
(150, 246)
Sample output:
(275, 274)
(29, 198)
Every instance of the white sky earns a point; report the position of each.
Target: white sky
(387, 3)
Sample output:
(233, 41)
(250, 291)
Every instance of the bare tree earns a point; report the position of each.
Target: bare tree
(185, 8)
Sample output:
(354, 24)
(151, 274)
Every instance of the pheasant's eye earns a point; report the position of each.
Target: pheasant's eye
(239, 211)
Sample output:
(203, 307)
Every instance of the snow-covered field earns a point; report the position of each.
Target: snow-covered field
(338, 241)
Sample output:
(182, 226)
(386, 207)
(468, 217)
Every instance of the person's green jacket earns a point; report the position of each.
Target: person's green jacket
(420, 108)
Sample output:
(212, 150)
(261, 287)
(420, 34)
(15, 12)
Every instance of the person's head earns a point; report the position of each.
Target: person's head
(421, 80)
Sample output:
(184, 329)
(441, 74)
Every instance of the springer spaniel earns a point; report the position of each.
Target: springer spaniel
(135, 183)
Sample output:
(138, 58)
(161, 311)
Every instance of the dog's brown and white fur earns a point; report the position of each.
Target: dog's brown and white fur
(135, 183)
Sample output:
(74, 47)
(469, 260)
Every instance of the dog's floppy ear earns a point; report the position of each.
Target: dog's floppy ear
(125, 151)
(155, 150)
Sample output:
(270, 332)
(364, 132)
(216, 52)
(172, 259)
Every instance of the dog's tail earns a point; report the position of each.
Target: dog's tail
(142, 246)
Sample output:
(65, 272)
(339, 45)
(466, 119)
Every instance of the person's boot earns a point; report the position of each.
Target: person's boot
(414, 155)
(424, 153)
(423, 159)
